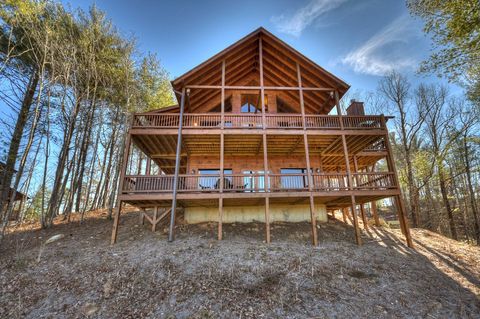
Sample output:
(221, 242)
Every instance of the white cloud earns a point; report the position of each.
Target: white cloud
(304, 16)
(386, 50)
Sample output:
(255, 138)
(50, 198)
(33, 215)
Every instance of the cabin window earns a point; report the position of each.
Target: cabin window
(210, 178)
(294, 178)
(251, 103)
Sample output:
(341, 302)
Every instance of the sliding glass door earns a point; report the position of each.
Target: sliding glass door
(254, 181)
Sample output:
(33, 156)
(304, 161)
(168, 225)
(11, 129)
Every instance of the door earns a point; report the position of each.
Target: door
(254, 181)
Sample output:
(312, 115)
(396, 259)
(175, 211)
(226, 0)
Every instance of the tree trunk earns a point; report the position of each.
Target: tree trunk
(471, 191)
(8, 172)
(443, 190)
(92, 170)
(83, 155)
(54, 204)
(100, 194)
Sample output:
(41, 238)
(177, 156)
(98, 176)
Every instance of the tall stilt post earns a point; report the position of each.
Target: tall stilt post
(313, 216)
(351, 187)
(373, 206)
(155, 216)
(358, 237)
(398, 198)
(177, 169)
(222, 154)
(266, 181)
(116, 218)
(364, 217)
(116, 222)
(220, 217)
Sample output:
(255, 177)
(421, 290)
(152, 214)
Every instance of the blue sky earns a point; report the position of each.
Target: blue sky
(356, 40)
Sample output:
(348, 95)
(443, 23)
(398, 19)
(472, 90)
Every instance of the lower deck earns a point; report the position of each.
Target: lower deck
(332, 200)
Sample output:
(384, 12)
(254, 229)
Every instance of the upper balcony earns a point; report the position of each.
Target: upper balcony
(255, 121)
(248, 183)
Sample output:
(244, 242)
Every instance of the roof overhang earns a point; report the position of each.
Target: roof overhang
(279, 66)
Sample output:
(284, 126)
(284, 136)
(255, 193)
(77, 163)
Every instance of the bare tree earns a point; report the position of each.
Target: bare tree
(396, 89)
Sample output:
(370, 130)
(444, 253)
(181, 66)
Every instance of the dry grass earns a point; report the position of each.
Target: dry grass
(144, 276)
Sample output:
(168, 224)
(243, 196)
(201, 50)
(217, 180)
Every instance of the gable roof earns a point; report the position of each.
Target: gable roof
(279, 70)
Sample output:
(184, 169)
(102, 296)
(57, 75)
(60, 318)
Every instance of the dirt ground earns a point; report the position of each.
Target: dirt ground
(196, 276)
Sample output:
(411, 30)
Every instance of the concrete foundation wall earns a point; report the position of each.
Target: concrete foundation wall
(246, 214)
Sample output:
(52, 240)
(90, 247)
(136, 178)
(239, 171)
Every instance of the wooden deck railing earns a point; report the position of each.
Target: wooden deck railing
(363, 122)
(256, 182)
(369, 181)
(252, 121)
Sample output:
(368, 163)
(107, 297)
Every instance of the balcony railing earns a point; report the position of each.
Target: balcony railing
(254, 121)
(257, 183)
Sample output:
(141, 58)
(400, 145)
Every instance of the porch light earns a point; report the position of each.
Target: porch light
(195, 124)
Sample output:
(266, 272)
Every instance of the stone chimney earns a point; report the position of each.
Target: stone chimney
(355, 108)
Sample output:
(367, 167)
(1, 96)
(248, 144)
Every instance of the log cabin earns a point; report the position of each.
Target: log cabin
(258, 135)
(15, 197)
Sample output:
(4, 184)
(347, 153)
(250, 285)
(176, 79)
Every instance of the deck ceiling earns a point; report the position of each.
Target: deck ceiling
(162, 148)
(332, 201)
(242, 68)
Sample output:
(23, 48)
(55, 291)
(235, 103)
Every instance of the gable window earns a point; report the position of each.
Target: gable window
(250, 103)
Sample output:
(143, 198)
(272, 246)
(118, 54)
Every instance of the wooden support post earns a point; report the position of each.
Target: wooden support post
(266, 180)
(116, 218)
(154, 220)
(339, 110)
(355, 166)
(333, 215)
(313, 216)
(177, 169)
(313, 219)
(300, 93)
(262, 89)
(349, 217)
(358, 237)
(222, 137)
(347, 163)
(116, 221)
(267, 220)
(344, 215)
(373, 206)
(266, 185)
(403, 220)
(142, 216)
(364, 217)
(148, 168)
(398, 199)
(222, 96)
(222, 154)
(220, 217)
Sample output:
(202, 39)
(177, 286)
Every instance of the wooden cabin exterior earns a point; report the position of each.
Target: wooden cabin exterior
(18, 198)
(251, 139)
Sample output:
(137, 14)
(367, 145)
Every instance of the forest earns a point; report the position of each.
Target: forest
(70, 80)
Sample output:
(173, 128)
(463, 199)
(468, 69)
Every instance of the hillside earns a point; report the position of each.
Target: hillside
(144, 276)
